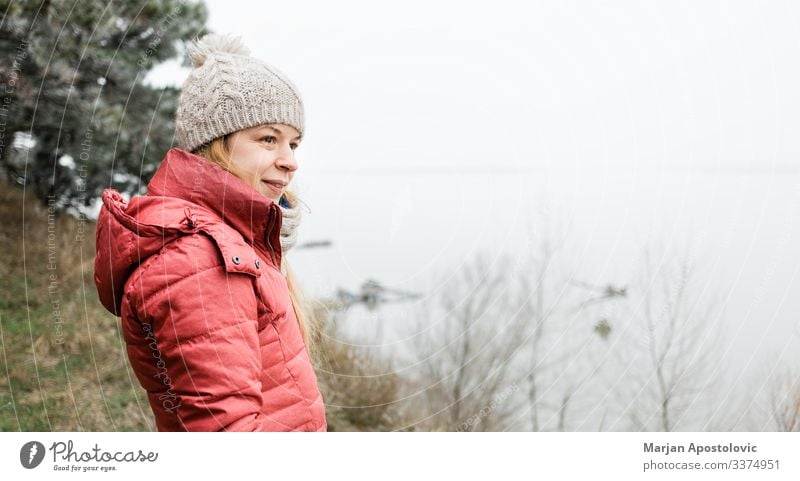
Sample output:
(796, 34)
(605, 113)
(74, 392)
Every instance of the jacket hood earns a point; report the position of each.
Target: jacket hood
(187, 194)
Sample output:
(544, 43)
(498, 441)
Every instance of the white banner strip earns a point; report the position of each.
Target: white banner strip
(400, 456)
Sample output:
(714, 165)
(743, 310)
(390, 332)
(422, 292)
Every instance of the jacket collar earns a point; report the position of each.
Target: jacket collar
(202, 182)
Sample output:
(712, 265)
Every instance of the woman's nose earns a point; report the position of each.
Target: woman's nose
(286, 158)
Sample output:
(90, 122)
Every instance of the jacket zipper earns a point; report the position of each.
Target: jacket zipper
(269, 238)
(271, 251)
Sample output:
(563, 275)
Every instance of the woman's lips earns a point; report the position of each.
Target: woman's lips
(274, 187)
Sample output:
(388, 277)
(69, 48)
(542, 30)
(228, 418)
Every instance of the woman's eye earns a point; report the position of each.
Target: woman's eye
(269, 138)
(294, 146)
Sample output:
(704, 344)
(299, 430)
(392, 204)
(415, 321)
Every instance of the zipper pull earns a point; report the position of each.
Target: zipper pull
(191, 218)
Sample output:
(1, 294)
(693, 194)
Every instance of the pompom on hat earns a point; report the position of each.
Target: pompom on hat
(228, 90)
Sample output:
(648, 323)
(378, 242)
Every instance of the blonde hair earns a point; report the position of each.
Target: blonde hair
(217, 152)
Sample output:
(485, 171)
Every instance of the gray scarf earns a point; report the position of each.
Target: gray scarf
(292, 216)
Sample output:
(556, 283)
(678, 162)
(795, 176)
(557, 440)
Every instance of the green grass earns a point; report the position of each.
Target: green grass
(63, 365)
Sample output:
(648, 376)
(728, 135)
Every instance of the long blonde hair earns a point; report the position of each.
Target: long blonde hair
(217, 151)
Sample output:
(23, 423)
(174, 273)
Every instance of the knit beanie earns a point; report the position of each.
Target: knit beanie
(228, 90)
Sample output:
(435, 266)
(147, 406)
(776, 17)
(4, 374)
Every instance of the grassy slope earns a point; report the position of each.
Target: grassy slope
(63, 364)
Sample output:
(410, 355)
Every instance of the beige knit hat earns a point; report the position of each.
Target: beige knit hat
(228, 90)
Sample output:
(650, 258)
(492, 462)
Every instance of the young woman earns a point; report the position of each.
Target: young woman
(196, 268)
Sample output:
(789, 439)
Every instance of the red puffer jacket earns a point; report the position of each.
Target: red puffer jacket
(192, 269)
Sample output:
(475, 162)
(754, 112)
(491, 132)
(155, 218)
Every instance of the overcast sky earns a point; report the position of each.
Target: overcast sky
(528, 85)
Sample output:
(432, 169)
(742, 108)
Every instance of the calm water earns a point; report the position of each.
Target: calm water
(403, 228)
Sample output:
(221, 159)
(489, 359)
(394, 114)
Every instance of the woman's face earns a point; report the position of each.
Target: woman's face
(265, 156)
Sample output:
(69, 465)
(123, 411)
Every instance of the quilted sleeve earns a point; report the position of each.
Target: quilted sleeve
(205, 326)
